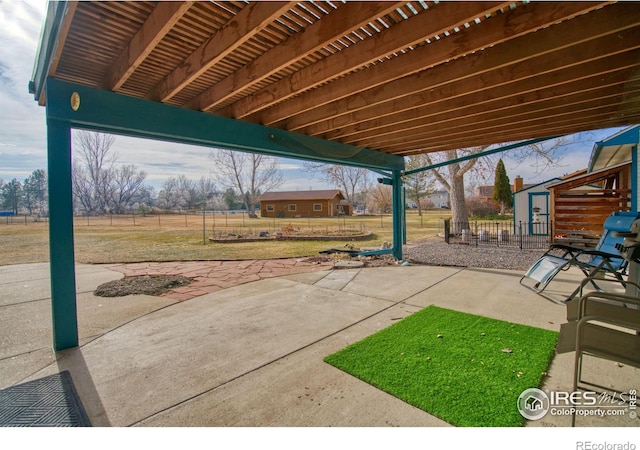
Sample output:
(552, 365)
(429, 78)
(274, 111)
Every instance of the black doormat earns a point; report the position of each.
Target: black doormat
(47, 402)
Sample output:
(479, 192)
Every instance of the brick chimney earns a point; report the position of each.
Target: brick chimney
(518, 183)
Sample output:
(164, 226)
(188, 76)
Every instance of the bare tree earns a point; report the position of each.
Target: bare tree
(145, 199)
(419, 184)
(126, 182)
(542, 156)
(92, 169)
(205, 190)
(188, 192)
(382, 198)
(100, 184)
(169, 196)
(453, 182)
(364, 193)
(545, 155)
(250, 174)
(346, 178)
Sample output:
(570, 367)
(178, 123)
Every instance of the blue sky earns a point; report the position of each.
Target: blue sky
(23, 131)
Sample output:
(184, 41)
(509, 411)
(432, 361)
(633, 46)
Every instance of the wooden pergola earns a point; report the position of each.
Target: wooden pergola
(358, 83)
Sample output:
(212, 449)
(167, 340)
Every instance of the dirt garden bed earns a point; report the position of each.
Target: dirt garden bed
(144, 284)
(230, 238)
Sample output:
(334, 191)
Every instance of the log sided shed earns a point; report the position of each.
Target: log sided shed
(354, 83)
(318, 203)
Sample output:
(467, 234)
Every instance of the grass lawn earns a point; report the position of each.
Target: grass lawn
(180, 237)
(467, 370)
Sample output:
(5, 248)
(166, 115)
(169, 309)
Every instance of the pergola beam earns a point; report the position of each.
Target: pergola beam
(441, 93)
(54, 35)
(507, 135)
(442, 17)
(110, 112)
(518, 106)
(472, 73)
(249, 21)
(593, 114)
(350, 16)
(158, 24)
(520, 21)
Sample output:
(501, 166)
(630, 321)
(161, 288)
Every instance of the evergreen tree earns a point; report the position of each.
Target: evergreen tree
(502, 187)
(11, 195)
(35, 192)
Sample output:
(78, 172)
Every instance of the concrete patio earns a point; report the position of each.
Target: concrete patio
(252, 354)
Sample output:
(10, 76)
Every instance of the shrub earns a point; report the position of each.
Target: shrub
(482, 207)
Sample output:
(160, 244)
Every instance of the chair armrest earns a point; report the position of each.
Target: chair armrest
(608, 321)
(599, 253)
(606, 297)
(565, 247)
(587, 280)
(608, 338)
(568, 249)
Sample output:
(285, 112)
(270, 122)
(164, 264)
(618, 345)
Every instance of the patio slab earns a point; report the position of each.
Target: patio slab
(252, 354)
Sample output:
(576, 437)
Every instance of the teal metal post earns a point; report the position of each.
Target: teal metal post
(404, 214)
(398, 208)
(61, 257)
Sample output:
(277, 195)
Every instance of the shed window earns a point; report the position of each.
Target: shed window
(270, 208)
(317, 206)
(292, 207)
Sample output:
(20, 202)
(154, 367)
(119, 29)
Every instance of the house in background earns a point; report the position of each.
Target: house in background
(322, 203)
(440, 199)
(485, 192)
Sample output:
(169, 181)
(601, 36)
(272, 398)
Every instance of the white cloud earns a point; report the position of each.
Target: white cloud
(23, 130)
(22, 124)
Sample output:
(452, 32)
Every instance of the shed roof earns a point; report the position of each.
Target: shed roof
(589, 177)
(397, 78)
(301, 195)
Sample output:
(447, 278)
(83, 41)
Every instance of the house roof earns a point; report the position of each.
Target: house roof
(396, 78)
(487, 190)
(615, 149)
(533, 186)
(301, 195)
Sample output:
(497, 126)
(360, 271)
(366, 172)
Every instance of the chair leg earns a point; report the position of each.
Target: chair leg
(577, 376)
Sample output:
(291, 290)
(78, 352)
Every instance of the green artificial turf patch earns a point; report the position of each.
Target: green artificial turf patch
(467, 370)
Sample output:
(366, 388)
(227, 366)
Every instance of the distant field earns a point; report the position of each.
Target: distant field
(128, 238)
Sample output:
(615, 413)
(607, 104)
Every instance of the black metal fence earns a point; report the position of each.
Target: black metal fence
(502, 233)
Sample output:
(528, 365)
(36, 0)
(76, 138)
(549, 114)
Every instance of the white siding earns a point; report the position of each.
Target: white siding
(521, 201)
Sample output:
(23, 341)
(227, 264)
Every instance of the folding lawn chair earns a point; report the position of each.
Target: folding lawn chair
(607, 327)
(604, 259)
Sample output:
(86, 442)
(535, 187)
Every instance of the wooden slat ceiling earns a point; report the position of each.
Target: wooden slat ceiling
(397, 77)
